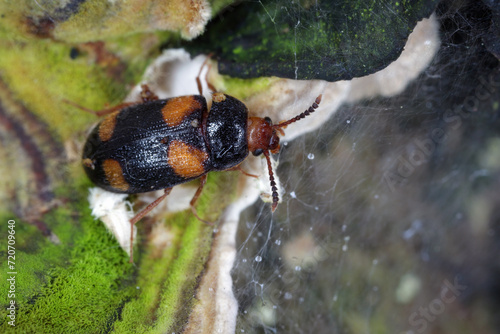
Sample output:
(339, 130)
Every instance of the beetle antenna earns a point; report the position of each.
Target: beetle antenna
(309, 111)
(274, 189)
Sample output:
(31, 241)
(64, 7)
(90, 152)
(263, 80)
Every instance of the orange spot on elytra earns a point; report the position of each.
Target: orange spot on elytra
(107, 126)
(186, 160)
(178, 108)
(114, 174)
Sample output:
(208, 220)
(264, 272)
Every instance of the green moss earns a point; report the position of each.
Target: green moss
(165, 292)
(178, 294)
(140, 313)
(82, 284)
(75, 287)
(35, 256)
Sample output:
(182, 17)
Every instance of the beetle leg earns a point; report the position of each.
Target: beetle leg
(238, 168)
(198, 81)
(108, 111)
(203, 180)
(210, 86)
(146, 95)
(139, 216)
(103, 111)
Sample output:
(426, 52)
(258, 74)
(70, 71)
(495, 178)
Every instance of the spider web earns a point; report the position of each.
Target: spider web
(390, 210)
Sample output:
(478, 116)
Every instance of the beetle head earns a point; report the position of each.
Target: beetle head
(263, 136)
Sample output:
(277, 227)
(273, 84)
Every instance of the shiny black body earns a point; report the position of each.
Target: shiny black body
(140, 142)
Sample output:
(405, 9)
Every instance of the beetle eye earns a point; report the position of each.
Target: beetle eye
(274, 143)
(268, 120)
(257, 152)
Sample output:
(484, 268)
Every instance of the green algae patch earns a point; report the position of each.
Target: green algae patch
(180, 286)
(85, 283)
(168, 277)
(140, 314)
(32, 259)
(44, 76)
(77, 286)
(36, 256)
(168, 283)
(242, 88)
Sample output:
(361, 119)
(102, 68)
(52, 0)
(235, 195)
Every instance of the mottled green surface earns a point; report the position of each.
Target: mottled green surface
(84, 284)
(243, 88)
(43, 75)
(76, 286)
(330, 40)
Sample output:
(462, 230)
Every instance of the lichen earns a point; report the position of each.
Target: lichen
(43, 75)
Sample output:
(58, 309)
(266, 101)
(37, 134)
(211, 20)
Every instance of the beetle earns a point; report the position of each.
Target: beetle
(159, 143)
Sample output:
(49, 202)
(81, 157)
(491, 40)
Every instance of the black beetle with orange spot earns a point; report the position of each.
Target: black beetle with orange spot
(160, 143)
